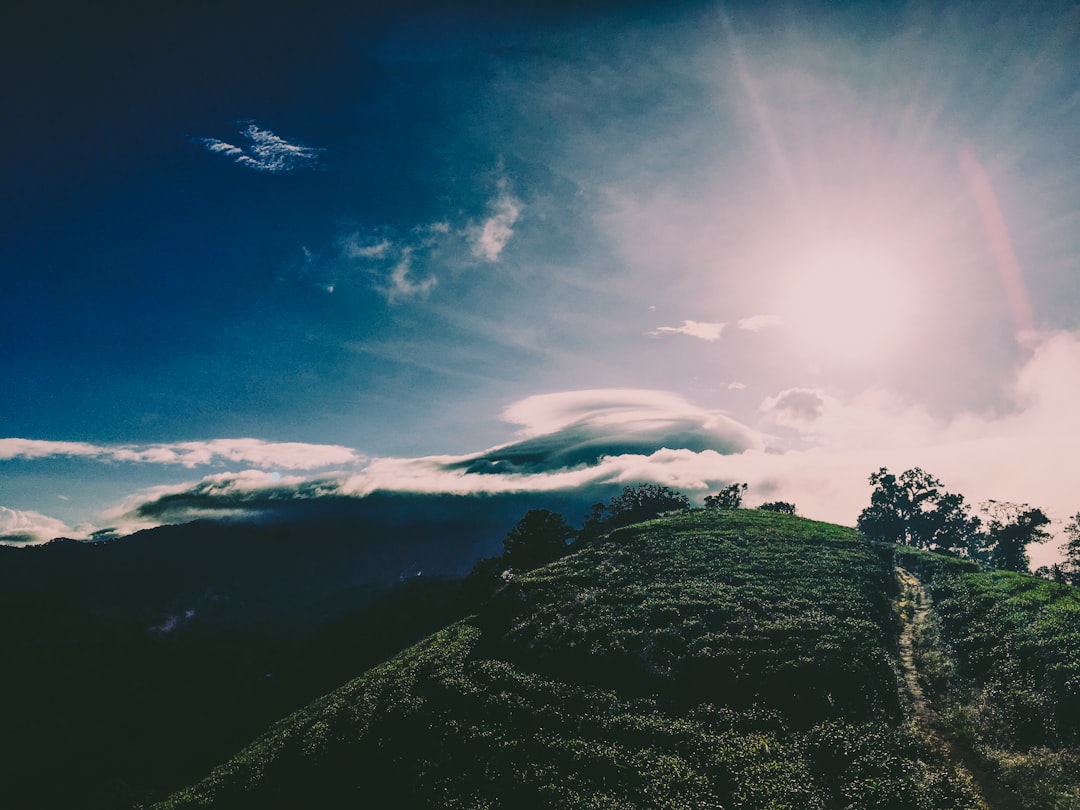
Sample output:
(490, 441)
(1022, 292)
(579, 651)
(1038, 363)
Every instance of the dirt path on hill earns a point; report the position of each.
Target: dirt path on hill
(912, 595)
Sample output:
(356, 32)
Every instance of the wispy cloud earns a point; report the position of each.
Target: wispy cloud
(698, 329)
(267, 152)
(755, 323)
(401, 284)
(354, 247)
(489, 238)
(255, 452)
(26, 528)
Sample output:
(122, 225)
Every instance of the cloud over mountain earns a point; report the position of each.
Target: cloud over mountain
(24, 528)
(253, 452)
(589, 442)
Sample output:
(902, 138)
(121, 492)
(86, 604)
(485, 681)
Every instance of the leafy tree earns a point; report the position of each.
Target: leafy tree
(730, 497)
(1054, 573)
(1071, 568)
(781, 507)
(537, 539)
(481, 582)
(1011, 528)
(633, 505)
(914, 510)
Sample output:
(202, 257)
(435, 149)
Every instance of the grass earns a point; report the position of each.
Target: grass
(1009, 679)
(713, 659)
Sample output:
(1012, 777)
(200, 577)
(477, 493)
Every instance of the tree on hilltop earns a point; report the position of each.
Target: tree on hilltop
(730, 497)
(537, 539)
(780, 507)
(1071, 568)
(1012, 527)
(633, 505)
(913, 509)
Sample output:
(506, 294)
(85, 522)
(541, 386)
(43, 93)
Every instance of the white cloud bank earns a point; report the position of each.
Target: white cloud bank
(253, 452)
(26, 528)
(812, 448)
(267, 153)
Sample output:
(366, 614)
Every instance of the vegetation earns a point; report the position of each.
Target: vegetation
(537, 539)
(1071, 569)
(708, 659)
(730, 497)
(914, 510)
(633, 505)
(1011, 529)
(780, 507)
(1009, 680)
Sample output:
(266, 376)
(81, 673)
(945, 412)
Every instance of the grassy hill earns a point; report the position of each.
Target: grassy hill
(710, 660)
(999, 655)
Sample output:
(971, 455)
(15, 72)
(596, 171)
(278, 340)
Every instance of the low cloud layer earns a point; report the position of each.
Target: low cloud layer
(251, 452)
(25, 528)
(592, 441)
(267, 152)
(812, 447)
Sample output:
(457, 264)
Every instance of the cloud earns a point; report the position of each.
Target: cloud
(354, 249)
(392, 262)
(489, 239)
(580, 428)
(26, 528)
(222, 495)
(583, 444)
(402, 286)
(813, 447)
(735, 385)
(267, 152)
(698, 329)
(255, 452)
(755, 323)
(795, 406)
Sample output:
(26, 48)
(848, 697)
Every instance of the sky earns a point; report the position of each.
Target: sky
(252, 256)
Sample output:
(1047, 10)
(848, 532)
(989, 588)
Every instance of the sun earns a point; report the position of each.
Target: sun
(846, 304)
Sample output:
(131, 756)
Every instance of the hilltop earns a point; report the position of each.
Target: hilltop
(708, 659)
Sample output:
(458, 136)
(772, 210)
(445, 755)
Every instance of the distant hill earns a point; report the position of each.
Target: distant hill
(133, 665)
(711, 659)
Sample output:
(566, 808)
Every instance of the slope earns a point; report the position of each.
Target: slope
(998, 657)
(734, 659)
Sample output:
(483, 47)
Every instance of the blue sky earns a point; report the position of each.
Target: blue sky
(779, 243)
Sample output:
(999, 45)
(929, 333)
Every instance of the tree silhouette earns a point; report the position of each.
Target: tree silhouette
(1011, 528)
(730, 497)
(537, 539)
(633, 505)
(914, 510)
(1071, 568)
(781, 507)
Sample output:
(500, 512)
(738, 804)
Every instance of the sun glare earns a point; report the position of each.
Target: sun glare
(845, 306)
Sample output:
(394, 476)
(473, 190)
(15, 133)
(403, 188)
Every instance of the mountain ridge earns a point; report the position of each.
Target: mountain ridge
(711, 659)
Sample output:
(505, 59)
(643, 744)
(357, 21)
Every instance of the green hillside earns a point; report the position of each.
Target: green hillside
(713, 659)
(999, 655)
